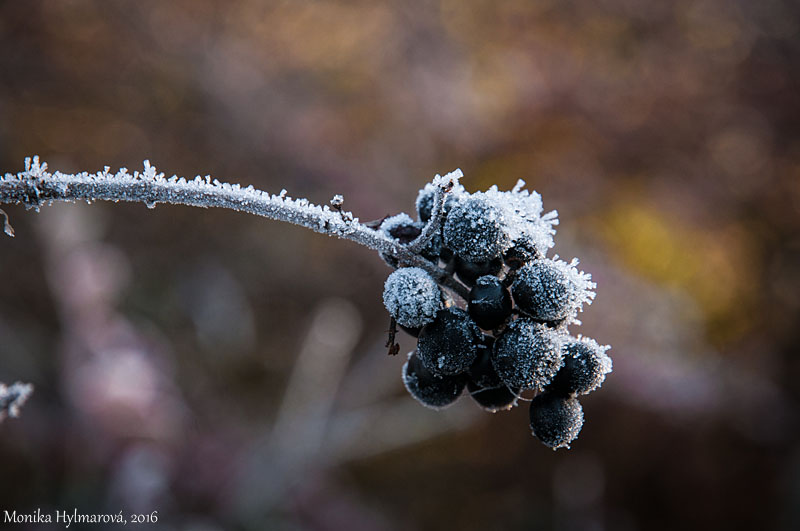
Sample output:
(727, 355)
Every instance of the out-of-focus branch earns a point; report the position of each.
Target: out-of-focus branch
(36, 186)
(12, 398)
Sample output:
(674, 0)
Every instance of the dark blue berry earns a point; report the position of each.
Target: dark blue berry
(520, 253)
(474, 229)
(543, 290)
(493, 399)
(412, 331)
(424, 203)
(482, 372)
(431, 391)
(405, 230)
(527, 355)
(489, 302)
(556, 420)
(449, 344)
(585, 367)
(469, 272)
(445, 254)
(411, 297)
(485, 386)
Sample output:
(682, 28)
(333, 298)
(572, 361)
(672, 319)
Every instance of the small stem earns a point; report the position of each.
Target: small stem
(444, 185)
(7, 228)
(36, 186)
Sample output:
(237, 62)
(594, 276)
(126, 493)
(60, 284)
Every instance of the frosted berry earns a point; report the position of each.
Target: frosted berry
(469, 272)
(405, 230)
(544, 290)
(527, 355)
(485, 386)
(493, 399)
(411, 297)
(481, 372)
(412, 331)
(520, 253)
(556, 420)
(429, 390)
(424, 202)
(401, 228)
(489, 303)
(473, 229)
(449, 344)
(585, 367)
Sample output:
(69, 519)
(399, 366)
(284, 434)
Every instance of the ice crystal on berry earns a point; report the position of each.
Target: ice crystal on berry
(586, 365)
(474, 229)
(527, 354)
(552, 290)
(412, 297)
(431, 391)
(449, 344)
(556, 420)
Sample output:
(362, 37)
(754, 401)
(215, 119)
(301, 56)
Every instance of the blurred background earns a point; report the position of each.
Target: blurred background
(230, 372)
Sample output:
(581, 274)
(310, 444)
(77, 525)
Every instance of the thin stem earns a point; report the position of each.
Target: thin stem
(437, 212)
(7, 228)
(36, 186)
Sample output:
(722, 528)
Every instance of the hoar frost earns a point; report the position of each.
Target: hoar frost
(449, 345)
(474, 229)
(586, 365)
(527, 355)
(551, 290)
(457, 238)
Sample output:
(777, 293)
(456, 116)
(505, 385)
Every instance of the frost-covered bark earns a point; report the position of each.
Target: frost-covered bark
(36, 186)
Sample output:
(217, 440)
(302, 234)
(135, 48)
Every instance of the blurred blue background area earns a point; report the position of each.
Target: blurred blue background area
(230, 372)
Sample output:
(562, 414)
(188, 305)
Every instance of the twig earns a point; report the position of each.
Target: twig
(7, 228)
(36, 186)
(434, 224)
(391, 342)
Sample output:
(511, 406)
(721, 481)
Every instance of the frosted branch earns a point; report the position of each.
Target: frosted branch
(12, 398)
(36, 186)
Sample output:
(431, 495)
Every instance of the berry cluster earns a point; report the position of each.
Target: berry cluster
(512, 337)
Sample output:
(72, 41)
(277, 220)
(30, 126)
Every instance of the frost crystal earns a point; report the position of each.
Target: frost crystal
(522, 211)
(412, 297)
(36, 186)
(527, 355)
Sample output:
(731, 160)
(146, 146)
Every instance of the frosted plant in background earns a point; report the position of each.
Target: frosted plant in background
(12, 398)
(471, 281)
